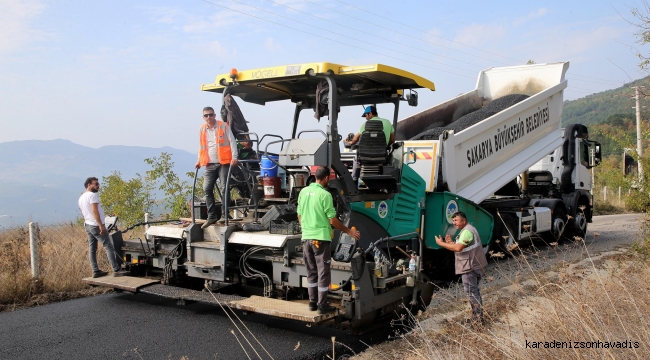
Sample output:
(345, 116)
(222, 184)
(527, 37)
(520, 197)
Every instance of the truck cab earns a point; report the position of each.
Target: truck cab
(569, 177)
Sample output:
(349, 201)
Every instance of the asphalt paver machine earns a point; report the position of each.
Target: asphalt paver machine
(407, 193)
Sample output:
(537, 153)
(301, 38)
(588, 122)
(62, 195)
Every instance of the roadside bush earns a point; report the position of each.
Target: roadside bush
(638, 201)
(128, 199)
(642, 247)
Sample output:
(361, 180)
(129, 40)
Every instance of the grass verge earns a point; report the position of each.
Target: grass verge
(63, 262)
(598, 307)
(608, 208)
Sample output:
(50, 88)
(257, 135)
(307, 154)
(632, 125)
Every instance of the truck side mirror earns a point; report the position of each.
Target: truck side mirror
(596, 158)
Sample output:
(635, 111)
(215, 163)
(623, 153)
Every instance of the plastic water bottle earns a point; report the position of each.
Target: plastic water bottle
(412, 264)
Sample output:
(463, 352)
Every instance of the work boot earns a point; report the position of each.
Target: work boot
(324, 309)
(99, 273)
(313, 306)
(121, 273)
(208, 223)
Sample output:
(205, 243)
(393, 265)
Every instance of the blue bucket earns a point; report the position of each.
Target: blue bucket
(267, 167)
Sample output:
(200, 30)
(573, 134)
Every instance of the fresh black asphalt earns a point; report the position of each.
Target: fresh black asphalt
(125, 326)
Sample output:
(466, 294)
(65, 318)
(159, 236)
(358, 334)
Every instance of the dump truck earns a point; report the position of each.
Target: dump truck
(514, 172)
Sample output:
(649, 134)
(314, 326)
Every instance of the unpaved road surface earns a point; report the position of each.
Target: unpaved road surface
(123, 326)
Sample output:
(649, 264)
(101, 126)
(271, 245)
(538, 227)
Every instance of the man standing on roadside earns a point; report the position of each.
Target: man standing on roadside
(470, 262)
(316, 214)
(93, 215)
(217, 152)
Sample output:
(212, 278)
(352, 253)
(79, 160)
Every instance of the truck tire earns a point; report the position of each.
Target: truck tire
(579, 225)
(559, 226)
(503, 234)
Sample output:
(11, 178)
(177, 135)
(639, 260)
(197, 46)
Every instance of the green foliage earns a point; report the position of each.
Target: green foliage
(128, 199)
(642, 247)
(643, 31)
(617, 133)
(131, 199)
(610, 173)
(176, 192)
(597, 108)
(198, 191)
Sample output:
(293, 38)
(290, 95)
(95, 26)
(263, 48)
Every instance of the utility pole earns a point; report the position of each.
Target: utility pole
(639, 147)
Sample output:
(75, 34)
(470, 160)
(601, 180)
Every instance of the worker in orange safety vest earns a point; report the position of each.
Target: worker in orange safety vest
(218, 151)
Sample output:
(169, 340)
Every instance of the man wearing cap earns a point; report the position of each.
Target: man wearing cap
(217, 152)
(317, 215)
(370, 113)
(470, 262)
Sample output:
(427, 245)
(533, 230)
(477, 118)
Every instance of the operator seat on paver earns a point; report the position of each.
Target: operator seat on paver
(372, 156)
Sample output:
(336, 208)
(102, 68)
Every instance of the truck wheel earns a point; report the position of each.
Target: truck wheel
(503, 235)
(579, 225)
(559, 229)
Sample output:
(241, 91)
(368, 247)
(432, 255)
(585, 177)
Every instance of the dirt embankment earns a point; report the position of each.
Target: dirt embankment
(585, 299)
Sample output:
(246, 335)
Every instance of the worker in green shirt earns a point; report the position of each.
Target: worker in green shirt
(370, 113)
(470, 262)
(317, 215)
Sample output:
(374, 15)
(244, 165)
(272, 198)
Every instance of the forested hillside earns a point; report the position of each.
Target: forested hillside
(596, 108)
(616, 132)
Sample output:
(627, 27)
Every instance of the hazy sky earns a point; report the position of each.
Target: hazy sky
(129, 72)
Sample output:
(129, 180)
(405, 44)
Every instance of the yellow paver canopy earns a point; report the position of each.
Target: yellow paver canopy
(293, 82)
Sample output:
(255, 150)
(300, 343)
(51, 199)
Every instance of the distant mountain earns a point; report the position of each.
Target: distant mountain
(596, 108)
(42, 180)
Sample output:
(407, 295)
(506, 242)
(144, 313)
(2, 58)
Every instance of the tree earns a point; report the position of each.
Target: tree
(131, 199)
(642, 14)
(128, 199)
(177, 192)
(610, 172)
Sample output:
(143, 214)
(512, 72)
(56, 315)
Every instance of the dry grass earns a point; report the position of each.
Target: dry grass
(63, 262)
(611, 204)
(585, 305)
(609, 208)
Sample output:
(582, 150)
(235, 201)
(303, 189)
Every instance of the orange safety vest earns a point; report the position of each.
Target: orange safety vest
(223, 144)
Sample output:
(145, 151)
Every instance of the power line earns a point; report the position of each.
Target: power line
(438, 36)
(339, 34)
(580, 91)
(596, 82)
(587, 89)
(588, 77)
(425, 32)
(326, 38)
(371, 34)
(410, 35)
